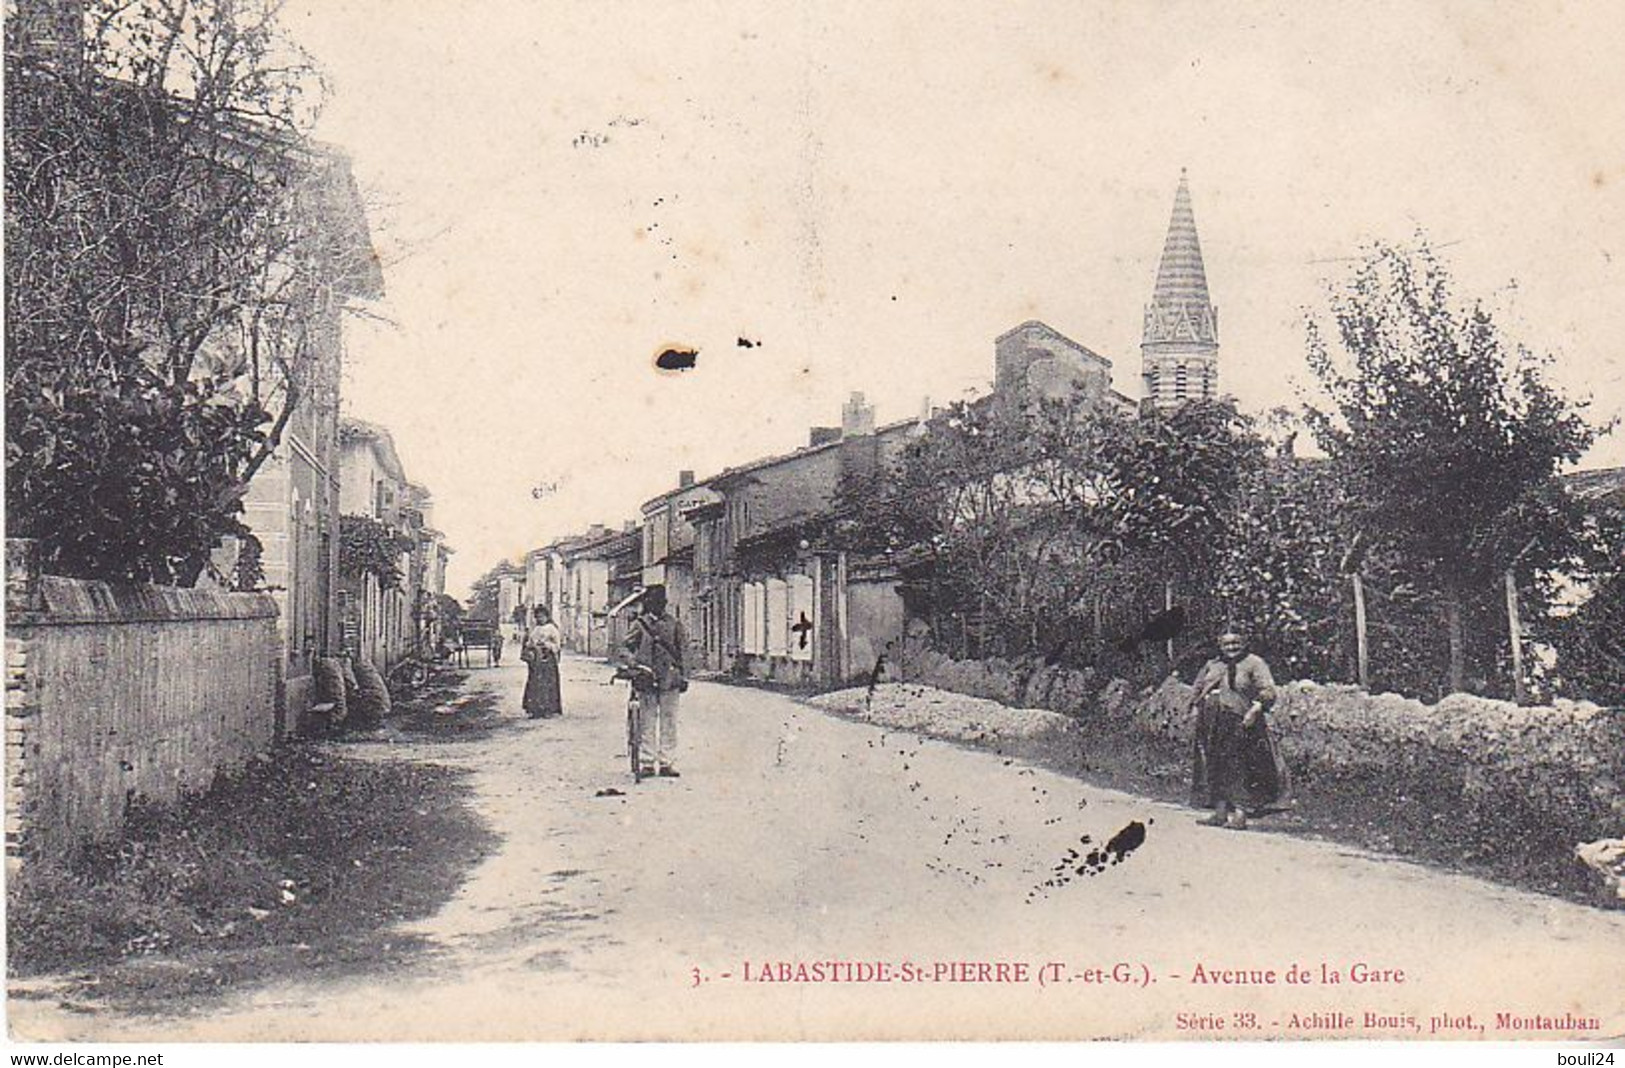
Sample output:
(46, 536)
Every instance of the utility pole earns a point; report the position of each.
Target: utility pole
(1168, 606)
(1350, 566)
(1516, 633)
(1362, 653)
(1520, 692)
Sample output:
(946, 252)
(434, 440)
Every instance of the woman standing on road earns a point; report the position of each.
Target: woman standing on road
(1235, 766)
(540, 653)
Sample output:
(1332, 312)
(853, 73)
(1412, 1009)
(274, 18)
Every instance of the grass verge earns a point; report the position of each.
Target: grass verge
(300, 859)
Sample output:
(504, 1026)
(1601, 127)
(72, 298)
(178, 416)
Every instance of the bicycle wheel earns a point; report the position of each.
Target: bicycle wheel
(634, 734)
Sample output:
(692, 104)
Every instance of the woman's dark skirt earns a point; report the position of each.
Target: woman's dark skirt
(1241, 766)
(542, 689)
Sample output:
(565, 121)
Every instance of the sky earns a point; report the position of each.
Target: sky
(870, 193)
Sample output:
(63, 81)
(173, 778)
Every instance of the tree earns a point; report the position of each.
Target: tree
(1591, 645)
(1033, 516)
(1174, 478)
(449, 609)
(1277, 575)
(965, 503)
(167, 246)
(368, 546)
(485, 596)
(1446, 435)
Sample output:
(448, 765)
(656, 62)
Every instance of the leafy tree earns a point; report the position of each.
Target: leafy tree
(485, 597)
(1174, 480)
(450, 610)
(1041, 520)
(1591, 645)
(165, 252)
(1446, 435)
(1590, 640)
(370, 547)
(1278, 568)
(964, 504)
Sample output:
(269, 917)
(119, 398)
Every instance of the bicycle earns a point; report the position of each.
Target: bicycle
(634, 722)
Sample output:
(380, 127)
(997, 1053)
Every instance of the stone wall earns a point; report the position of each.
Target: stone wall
(118, 694)
(1562, 764)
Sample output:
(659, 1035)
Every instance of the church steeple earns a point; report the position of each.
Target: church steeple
(1180, 346)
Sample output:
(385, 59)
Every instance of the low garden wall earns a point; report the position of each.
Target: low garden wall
(1492, 767)
(116, 694)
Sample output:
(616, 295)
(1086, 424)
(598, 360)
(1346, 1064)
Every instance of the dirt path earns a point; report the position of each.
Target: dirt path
(796, 837)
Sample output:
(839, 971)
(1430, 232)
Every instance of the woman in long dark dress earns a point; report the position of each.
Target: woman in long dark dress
(540, 653)
(1234, 762)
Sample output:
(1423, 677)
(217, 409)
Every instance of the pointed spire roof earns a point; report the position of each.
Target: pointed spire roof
(1181, 314)
(1181, 279)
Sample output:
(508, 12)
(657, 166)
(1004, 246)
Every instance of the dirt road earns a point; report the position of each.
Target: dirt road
(700, 906)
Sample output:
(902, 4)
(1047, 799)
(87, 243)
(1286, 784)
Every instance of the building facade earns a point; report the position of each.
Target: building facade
(584, 598)
(511, 600)
(292, 504)
(385, 623)
(668, 534)
(579, 578)
(768, 597)
(625, 558)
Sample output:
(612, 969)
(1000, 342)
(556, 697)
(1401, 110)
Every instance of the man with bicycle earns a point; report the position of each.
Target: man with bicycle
(653, 650)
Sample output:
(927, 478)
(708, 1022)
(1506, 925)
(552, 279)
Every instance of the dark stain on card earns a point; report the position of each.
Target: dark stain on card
(1075, 862)
(677, 358)
(1119, 847)
(747, 343)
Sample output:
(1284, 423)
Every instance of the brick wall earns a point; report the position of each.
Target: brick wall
(115, 694)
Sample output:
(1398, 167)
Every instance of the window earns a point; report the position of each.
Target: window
(1180, 383)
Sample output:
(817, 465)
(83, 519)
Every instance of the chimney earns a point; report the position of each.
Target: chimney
(685, 479)
(857, 417)
(822, 435)
(860, 449)
(596, 530)
(629, 527)
(923, 420)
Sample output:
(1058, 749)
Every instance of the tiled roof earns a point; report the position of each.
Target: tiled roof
(604, 544)
(732, 474)
(352, 429)
(1605, 483)
(1050, 331)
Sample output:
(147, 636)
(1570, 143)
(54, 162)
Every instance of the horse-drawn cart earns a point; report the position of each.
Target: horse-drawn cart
(475, 637)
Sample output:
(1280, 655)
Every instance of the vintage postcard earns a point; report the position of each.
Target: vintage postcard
(533, 521)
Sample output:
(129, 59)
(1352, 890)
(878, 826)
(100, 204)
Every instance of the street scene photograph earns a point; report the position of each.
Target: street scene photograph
(544, 522)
